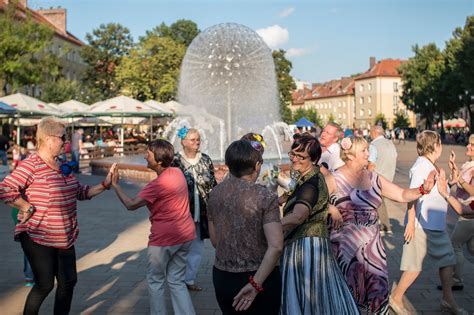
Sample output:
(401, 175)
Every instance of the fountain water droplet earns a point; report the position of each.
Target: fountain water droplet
(229, 57)
(209, 66)
(236, 64)
(227, 66)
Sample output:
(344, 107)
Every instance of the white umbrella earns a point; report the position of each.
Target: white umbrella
(159, 106)
(73, 106)
(30, 106)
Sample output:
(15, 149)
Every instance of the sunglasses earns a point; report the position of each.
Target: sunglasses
(292, 155)
(63, 137)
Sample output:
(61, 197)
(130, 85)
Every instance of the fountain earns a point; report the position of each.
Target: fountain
(227, 88)
(228, 74)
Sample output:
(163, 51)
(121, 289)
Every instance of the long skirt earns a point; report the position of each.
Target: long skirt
(311, 280)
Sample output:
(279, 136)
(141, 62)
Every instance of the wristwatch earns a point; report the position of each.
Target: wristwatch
(30, 210)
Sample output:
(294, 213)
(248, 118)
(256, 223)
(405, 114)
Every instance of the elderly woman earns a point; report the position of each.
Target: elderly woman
(425, 230)
(172, 228)
(245, 229)
(357, 245)
(307, 252)
(46, 192)
(199, 170)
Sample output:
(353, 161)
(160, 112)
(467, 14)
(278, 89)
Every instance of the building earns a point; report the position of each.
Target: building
(355, 101)
(64, 45)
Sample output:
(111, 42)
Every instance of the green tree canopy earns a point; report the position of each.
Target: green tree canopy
(285, 82)
(401, 120)
(60, 91)
(311, 114)
(24, 57)
(380, 119)
(151, 71)
(182, 31)
(108, 44)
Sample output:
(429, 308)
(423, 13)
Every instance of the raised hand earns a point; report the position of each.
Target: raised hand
(108, 178)
(244, 298)
(442, 183)
(115, 176)
(430, 181)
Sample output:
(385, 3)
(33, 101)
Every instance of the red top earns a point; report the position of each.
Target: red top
(54, 197)
(168, 202)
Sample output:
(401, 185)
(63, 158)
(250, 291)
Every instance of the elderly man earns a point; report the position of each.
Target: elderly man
(382, 160)
(76, 147)
(330, 158)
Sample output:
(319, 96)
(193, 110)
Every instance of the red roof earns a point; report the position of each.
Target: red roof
(383, 68)
(38, 18)
(333, 88)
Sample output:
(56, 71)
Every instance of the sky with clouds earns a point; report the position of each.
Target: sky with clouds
(324, 39)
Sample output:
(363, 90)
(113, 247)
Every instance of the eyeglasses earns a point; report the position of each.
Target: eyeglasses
(257, 146)
(63, 137)
(292, 155)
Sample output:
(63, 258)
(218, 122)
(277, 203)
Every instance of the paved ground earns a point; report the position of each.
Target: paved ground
(111, 258)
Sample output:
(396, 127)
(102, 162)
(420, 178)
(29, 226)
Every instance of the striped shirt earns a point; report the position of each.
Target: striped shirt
(54, 197)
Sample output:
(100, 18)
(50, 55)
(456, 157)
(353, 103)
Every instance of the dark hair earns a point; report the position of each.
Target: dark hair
(309, 144)
(241, 158)
(162, 151)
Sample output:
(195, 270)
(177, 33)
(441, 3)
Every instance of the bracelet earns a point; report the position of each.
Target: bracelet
(104, 185)
(447, 197)
(255, 284)
(422, 190)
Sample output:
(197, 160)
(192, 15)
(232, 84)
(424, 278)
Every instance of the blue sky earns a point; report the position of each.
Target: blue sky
(324, 39)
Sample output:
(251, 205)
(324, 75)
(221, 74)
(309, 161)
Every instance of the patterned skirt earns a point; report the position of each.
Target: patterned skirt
(311, 280)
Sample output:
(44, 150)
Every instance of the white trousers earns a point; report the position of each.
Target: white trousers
(168, 263)
(463, 234)
(194, 256)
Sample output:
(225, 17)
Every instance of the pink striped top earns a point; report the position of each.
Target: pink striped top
(54, 196)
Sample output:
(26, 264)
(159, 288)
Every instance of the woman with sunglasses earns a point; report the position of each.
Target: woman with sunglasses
(199, 172)
(46, 195)
(357, 245)
(311, 280)
(245, 229)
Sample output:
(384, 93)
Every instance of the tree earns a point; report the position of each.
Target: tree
(380, 119)
(285, 82)
(108, 44)
(311, 114)
(401, 120)
(151, 71)
(331, 118)
(60, 91)
(24, 58)
(182, 31)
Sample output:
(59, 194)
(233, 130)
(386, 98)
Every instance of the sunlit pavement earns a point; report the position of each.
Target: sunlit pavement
(111, 257)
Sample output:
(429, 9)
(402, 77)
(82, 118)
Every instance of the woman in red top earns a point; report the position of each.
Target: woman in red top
(46, 192)
(172, 228)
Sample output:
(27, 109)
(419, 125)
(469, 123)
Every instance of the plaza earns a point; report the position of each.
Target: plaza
(111, 256)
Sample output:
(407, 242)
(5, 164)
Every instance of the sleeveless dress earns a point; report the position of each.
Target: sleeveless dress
(358, 246)
(311, 280)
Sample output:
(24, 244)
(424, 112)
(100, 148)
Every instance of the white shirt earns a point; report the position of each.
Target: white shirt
(332, 157)
(431, 208)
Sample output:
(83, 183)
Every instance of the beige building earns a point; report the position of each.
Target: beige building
(64, 45)
(355, 102)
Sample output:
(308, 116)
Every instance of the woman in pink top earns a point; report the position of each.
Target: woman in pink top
(46, 193)
(172, 228)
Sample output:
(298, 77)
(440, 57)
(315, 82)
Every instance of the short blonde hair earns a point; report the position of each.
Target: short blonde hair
(192, 131)
(426, 142)
(357, 144)
(49, 126)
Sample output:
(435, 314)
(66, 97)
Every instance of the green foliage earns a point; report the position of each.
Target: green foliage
(331, 118)
(60, 91)
(285, 82)
(182, 31)
(401, 120)
(24, 57)
(151, 71)
(310, 114)
(108, 44)
(381, 119)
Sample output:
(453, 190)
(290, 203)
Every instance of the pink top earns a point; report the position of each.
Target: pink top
(54, 197)
(168, 202)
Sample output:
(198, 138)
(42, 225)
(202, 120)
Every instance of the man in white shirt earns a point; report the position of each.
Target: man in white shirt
(382, 160)
(330, 158)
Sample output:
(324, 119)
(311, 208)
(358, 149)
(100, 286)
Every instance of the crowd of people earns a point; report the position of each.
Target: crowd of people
(315, 249)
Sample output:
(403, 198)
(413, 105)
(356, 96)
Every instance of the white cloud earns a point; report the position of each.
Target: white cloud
(274, 36)
(297, 52)
(287, 12)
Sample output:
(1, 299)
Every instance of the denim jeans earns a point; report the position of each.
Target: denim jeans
(3, 156)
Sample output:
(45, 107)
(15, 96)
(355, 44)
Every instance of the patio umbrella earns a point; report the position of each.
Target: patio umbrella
(6, 109)
(73, 106)
(159, 106)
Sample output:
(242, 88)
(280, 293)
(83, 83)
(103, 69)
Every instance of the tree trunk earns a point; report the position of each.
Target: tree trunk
(442, 132)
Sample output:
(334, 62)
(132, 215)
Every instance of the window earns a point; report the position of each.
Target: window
(344, 115)
(338, 104)
(361, 88)
(395, 100)
(361, 112)
(395, 86)
(317, 106)
(369, 111)
(369, 99)
(344, 104)
(339, 115)
(330, 105)
(369, 86)
(361, 100)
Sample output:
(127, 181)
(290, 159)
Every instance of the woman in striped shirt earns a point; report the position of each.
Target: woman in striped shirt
(46, 194)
